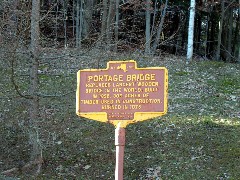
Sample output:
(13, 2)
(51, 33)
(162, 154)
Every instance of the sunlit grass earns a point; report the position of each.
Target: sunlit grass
(197, 139)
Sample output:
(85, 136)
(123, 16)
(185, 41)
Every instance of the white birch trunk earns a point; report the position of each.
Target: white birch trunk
(191, 31)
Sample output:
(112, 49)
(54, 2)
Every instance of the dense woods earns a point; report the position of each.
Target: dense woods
(44, 42)
(152, 27)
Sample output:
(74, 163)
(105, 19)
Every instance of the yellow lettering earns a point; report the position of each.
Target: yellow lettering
(106, 85)
(147, 83)
(141, 77)
(128, 77)
(89, 78)
(106, 96)
(132, 95)
(128, 89)
(89, 101)
(135, 106)
(93, 90)
(95, 78)
(104, 101)
(111, 107)
(109, 78)
(153, 77)
(150, 89)
(116, 89)
(134, 77)
(90, 84)
(123, 84)
(100, 78)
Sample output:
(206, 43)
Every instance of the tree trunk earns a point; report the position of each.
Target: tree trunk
(56, 25)
(77, 23)
(229, 40)
(184, 32)
(65, 4)
(238, 35)
(73, 18)
(110, 20)
(236, 39)
(34, 103)
(160, 27)
(198, 32)
(220, 31)
(88, 11)
(14, 18)
(154, 17)
(206, 38)
(116, 25)
(79, 20)
(212, 43)
(104, 19)
(191, 31)
(81, 23)
(147, 32)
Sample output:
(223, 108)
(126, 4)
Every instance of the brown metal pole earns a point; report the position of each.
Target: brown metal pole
(119, 143)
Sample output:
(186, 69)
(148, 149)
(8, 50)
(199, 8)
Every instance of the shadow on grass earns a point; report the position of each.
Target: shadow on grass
(170, 147)
(177, 147)
(184, 148)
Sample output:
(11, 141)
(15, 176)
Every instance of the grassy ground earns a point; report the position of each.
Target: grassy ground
(199, 138)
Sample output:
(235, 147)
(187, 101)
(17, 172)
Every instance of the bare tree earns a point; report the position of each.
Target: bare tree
(238, 32)
(56, 23)
(79, 23)
(36, 153)
(220, 31)
(65, 4)
(116, 25)
(160, 28)
(104, 19)
(87, 17)
(191, 31)
(230, 31)
(110, 20)
(147, 31)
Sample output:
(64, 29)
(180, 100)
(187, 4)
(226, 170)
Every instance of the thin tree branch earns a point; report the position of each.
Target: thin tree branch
(16, 87)
(55, 95)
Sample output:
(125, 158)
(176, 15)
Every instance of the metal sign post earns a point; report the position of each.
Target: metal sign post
(121, 94)
(120, 144)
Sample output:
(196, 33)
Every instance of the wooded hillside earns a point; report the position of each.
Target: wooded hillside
(43, 43)
(151, 27)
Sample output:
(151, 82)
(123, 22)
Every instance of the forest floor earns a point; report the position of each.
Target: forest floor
(199, 137)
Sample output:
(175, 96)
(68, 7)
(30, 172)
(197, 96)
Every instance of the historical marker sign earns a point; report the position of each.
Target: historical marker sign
(122, 93)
